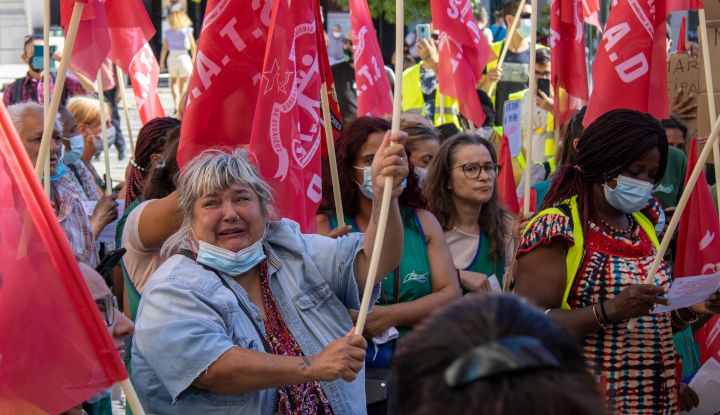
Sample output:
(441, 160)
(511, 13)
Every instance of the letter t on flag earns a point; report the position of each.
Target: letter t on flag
(55, 350)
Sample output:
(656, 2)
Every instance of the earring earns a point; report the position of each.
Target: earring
(237, 217)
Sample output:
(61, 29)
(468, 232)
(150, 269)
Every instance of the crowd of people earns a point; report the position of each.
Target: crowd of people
(219, 305)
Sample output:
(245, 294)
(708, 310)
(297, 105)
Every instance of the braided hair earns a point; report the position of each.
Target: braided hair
(150, 140)
(611, 144)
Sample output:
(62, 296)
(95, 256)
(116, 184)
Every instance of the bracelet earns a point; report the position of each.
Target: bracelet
(602, 326)
(675, 316)
(605, 317)
(694, 319)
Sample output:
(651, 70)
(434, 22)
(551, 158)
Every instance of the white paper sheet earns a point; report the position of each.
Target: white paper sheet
(107, 234)
(688, 291)
(706, 383)
(495, 284)
(512, 120)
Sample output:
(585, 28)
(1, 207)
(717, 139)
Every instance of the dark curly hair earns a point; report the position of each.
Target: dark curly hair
(347, 147)
(161, 182)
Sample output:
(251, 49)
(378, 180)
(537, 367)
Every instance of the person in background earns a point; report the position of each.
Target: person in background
(31, 87)
(73, 142)
(498, 29)
(460, 188)
(493, 355)
(670, 189)
(676, 131)
(343, 72)
(481, 16)
(178, 40)
(336, 47)
(112, 96)
(422, 144)
(592, 211)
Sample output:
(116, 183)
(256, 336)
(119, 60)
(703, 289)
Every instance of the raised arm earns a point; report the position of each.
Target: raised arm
(159, 220)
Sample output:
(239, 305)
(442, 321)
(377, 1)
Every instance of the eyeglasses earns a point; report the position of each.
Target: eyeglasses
(472, 170)
(543, 75)
(107, 306)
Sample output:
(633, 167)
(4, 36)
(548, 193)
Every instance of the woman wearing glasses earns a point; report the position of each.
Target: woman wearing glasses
(481, 235)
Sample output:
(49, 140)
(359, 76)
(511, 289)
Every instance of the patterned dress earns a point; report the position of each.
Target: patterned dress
(309, 397)
(637, 366)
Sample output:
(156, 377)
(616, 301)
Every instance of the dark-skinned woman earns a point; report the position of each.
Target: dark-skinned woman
(585, 256)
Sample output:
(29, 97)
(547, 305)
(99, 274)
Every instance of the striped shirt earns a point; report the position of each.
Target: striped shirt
(34, 89)
(75, 223)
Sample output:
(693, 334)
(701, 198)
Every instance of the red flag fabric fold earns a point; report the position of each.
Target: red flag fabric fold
(590, 13)
(464, 53)
(287, 130)
(129, 27)
(569, 71)
(92, 43)
(506, 180)
(681, 37)
(373, 86)
(144, 73)
(55, 349)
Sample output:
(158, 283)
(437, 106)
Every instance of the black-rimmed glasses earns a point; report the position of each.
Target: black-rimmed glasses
(472, 170)
(107, 306)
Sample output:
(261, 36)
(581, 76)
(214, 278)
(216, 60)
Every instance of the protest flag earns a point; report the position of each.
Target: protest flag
(373, 86)
(92, 43)
(288, 125)
(225, 82)
(144, 74)
(506, 178)
(464, 53)
(55, 349)
(129, 27)
(568, 69)
(590, 10)
(681, 37)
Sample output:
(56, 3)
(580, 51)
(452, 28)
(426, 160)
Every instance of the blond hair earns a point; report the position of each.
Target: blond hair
(178, 20)
(86, 110)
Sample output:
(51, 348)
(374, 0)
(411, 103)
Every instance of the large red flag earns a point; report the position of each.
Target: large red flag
(55, 349)
(464, 53)
(699, 247)
(225, 82)
(506, 180)
(92, 43)
(373, 86)
(326, 76)
(590, 13)
(569, 72)
(144, 74)
(287, 130)
(681, 37)
(130, 29)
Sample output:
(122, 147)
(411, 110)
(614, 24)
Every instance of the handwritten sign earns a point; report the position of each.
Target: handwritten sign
(512, 125)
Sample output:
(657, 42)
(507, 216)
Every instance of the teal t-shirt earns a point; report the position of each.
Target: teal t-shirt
(669, 191)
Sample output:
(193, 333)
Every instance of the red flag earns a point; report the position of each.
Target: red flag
(506, 180)
(144, 73)
(533, 200)
(590, 13)
(373, 86)
(567, 43)
(326, 76)
(464, 53)
(92, 42)
(55, 348)
(679, 5)
(699, 247)
(225, 82)
(287, 130)
(681, 37)
(130, 29)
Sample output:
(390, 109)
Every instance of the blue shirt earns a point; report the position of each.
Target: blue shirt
(187, 319)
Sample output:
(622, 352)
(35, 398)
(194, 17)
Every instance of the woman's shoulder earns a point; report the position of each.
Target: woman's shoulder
(544, 229)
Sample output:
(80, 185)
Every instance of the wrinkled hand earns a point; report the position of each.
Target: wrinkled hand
(390, 160)
(521, 222)
(376, 322)
(105, 210)
(543, 101)
(338, 232)
(688, 398)
(474, 282)
(341, 359)
(635, 301)
(494, 74)
(427, 51)
(682, 108)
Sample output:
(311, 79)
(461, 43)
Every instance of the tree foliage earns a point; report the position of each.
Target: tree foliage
(415, 10)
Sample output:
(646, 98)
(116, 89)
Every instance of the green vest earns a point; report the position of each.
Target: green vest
(485, 263)
(414, 103)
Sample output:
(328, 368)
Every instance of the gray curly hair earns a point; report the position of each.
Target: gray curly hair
(210, 170)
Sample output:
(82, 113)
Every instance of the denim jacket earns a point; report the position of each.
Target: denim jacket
(187, 319)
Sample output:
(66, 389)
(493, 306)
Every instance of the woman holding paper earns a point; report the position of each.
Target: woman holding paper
(585, 257)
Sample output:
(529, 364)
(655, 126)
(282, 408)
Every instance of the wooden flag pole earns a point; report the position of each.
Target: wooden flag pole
(442, 108)
(711, 99)
(387, 192)
(679, 210)
(508, 40)
(531, 107)
(331, 155)
(131, 397)
(44, 151)
(46, 87)
(101, 97)
(121, 85)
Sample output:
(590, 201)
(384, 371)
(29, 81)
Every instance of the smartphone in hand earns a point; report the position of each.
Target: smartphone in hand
(423, 31)
(544, 86)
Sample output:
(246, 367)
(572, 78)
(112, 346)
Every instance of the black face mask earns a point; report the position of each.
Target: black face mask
(349, 56)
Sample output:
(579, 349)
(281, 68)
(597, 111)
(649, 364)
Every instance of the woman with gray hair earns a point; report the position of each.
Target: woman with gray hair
(250, 316)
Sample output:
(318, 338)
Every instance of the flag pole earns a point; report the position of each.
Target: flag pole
(331, 155)
(121, 85)
(531, 101)
(101, 98)
(699, 166)
(44, 151)
(46, 88)
(131, 397)
(508, 39)
(442, 108)
(387, 192)
(710, 89)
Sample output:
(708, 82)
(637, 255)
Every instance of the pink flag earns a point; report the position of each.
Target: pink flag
(144, 72)
(287, 130)
(464, 53)
(506, 179)
(373, 86)
(130, 29)
(590, 10)
(225, 82)
(567, 43)
(92, 42)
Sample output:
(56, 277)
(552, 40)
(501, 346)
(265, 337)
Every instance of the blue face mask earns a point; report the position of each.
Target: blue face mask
(366, 186)
(77, 146)
(60, 171)
(231, 263)
(630, 195)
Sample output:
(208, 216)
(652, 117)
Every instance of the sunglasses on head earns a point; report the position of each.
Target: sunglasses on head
(525, 15)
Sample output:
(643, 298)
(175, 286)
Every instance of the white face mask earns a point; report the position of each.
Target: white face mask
(77, 146)
(524, 28)
(97, 139)
(337, 35)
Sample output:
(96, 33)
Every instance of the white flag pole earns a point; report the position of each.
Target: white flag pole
(121, 86)
(101, 96)
(531, 90)
(46, 87)
(711, 95)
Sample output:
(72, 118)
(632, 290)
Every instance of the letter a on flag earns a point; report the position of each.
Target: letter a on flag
(55, 350)
(287, 130)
